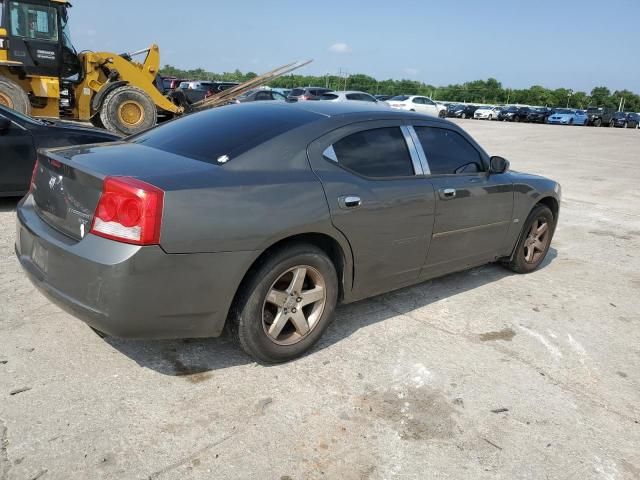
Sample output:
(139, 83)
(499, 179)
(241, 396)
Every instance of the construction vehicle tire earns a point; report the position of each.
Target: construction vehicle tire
(96, 121)
(128, 110)
(13, 96)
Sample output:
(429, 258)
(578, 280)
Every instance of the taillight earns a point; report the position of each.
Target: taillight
(32, 185)
(305, 97)
(129, 211)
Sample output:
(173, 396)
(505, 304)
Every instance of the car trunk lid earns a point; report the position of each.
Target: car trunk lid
(68, 183)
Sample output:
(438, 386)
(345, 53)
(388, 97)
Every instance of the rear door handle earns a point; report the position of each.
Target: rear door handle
(447, 193)
(349, 201)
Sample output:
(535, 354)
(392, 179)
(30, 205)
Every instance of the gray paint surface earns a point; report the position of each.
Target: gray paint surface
(402, 233)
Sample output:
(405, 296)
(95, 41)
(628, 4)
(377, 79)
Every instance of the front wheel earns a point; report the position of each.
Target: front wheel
(534, 242)
(441, 114)
(490, 117)
(286, 305)
(464, 115)
(128, 110)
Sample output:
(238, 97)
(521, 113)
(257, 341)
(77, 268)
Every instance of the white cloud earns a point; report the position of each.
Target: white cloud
(340, 48)
(411, 71)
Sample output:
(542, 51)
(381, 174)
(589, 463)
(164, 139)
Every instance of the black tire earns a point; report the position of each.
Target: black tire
(13, 96)
(96, 121)
(518, 262)
(571, 121)
(464, 115)
(611, 124)
(246, 321)
(516, 119)
(128, 110)
(597, 122)
(441, 114)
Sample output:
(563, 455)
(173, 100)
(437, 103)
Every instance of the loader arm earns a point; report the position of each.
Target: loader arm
(102, 68)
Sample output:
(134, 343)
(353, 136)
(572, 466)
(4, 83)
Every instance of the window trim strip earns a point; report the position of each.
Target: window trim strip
(418, 167)
(421, 155)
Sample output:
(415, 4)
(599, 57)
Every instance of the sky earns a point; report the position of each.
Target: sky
(554, 43)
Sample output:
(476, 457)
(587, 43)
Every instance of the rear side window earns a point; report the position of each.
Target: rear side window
(328, 96)
(378, 153)
(230, 131)
(296, 92)
(448, 152)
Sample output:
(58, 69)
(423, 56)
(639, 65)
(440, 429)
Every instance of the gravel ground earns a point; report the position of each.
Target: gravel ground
(481, 374)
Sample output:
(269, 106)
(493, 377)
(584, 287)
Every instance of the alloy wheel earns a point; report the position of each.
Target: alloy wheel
(537, 240)
(294, 305)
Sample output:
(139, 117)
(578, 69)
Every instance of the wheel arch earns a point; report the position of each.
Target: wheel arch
(333, 248)
(548, 201)
(98, 98)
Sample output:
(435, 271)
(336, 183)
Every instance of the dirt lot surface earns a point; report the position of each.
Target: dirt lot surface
(481, 374)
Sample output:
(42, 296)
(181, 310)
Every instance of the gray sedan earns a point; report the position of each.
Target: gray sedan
(262, 216)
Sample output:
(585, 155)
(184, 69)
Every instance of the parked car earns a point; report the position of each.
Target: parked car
(599, 116)
(633, 120)
(383, 98)
(171, 83)
(514, 114)
(567, 116)
(461, 111)
(417, 103)
(620, 119)
(260, 95)
(21, 136)
(306, 93)
(539, 115)
(487, 113)
(283, 91)
(172, 232)
(196, 91)
(348, 95)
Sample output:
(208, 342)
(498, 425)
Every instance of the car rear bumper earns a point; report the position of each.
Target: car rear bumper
(126, 290)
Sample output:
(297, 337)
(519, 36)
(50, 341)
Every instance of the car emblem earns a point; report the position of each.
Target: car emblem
(52, 182)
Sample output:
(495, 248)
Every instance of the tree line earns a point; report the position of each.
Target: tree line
(478, 91)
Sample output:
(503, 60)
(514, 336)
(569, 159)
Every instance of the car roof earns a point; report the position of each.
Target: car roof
(339, 109)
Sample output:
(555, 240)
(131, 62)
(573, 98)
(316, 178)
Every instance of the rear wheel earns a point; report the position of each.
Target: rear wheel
(490, 117)
(516, 118)
(128, 110)
(611, 124)
(464, 115)
(534, 241)
(287, 303)
(13, 96)
(597, 122)
(441, 114)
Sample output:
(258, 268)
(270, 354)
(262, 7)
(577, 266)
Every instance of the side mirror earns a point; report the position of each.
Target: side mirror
(5, 123)
(499, 165)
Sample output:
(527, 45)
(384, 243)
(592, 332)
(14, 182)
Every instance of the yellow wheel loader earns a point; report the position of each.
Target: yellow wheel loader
(41, 74)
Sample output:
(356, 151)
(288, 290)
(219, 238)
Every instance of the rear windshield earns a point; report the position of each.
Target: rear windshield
(230, 130)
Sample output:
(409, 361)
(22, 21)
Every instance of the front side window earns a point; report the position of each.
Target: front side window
(448, 152)
(35, 22)
(377, 153)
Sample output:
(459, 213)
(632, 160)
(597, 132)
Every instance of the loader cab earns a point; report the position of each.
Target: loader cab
(37, 38)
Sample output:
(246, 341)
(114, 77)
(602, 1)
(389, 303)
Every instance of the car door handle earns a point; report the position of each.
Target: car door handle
(349, 201)
(447, 193)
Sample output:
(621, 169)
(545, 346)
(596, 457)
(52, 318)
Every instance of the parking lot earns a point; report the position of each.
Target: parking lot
(481, 374)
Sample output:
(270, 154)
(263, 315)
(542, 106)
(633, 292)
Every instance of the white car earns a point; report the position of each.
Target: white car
(417, 103)
(345, 95)
(486, 113)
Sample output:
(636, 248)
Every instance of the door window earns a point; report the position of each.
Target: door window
(378, 153)
(448, 152)
(419, 101)
(36, 22)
